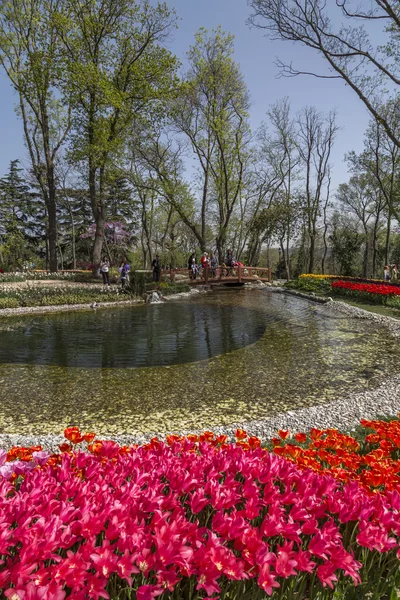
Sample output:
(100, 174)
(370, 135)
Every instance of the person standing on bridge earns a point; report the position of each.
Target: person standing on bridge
(192, 265)
(213, 265)
(204, 264)
(229, 263)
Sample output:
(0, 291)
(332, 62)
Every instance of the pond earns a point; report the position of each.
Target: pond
(219, 358)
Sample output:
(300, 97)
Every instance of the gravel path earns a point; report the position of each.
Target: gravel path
(343, 414)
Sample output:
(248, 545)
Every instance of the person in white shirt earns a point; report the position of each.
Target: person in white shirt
(105, 271)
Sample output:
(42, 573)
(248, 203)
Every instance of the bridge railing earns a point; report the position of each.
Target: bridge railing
(223, 273)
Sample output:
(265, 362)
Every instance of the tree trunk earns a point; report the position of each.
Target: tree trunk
(374, 251)
(287, 258)
(98, 240)
(365, 261)
(312, 253)
(61, 257)
(388, 238)
(98, 214)
(325, 247)
(73, 243)
(220, 251)
(52, 236)
(204, 210)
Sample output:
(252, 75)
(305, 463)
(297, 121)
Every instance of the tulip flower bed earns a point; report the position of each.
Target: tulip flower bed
(372, 459)
(368, 291)
(192, 518)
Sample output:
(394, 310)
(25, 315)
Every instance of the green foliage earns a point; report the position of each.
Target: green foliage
(393, 302)
(345, 241)
(9, 303)
(168, 289)
(137, 282)
(309, 284)
(117, 65)
(19, 230)
(390, 301)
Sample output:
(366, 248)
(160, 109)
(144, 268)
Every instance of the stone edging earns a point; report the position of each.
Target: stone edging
(311, 296)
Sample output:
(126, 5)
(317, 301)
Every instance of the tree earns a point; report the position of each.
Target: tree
(345, 242)
(316, 136)
(73, 212)
(380, 160)
(285, 159)
(368, 69)
(15, 198)
(117, 67)
(212, 113)
(358, 197)
(156, 166)
(31, 56)
(22, 217)
(225, 101)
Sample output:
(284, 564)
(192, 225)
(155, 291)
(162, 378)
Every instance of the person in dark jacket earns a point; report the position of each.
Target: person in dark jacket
(191, 265)
(156, 266)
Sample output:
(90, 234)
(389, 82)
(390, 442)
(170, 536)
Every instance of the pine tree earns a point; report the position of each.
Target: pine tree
(15, 199)
(22, 219)
(122, 205)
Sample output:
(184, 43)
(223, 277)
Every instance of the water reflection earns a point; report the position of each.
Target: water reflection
(157, 335)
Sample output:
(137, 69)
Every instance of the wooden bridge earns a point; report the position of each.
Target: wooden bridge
(225, 275)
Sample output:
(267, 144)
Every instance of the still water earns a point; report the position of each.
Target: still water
(219, 358)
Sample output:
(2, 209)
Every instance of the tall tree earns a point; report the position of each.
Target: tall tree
(285, 159)
(358, 197)
(316, 136)
(348, 48)
(213, 114)
(31, 56)
(118, 65)
(15, 198)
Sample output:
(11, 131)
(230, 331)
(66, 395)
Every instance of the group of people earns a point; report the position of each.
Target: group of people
(390, 273)
(210, 262)
(123, 270)
(207, 261)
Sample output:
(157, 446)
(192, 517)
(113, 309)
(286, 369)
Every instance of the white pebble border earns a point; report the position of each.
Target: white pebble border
(342, 414)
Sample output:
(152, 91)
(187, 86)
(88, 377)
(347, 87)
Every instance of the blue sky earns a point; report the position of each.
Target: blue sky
(256, 55)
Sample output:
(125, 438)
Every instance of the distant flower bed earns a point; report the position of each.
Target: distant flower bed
(44, 276)
(55, 295)
(194, 517)
(368, 288)
(306, 276)
(312, 276)
(378, 293)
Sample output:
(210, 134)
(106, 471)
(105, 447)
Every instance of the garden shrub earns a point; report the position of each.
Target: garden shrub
(168, 289)
(9, 303)
(318, 285)
(137, 282)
